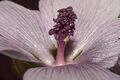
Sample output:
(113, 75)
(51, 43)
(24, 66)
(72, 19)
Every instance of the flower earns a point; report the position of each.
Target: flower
(94, 47)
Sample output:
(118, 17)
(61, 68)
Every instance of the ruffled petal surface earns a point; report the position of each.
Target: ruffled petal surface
(70, 72)
(90, 13)
(103, 47)
(21, 30)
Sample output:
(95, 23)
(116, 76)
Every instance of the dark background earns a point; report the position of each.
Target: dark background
(6, 69)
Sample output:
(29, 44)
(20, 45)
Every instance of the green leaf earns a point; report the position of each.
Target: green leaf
(20, 67)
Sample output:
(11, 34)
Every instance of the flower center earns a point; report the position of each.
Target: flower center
(63, 29)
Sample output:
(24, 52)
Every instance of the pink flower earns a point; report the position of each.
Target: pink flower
(87, 55)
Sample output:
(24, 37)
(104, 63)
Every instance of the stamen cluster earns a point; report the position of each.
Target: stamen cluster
(65, 24)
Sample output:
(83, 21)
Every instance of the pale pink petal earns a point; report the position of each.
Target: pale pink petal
(24, 30)
(103, 47)
(9, 49)
(90, 13)
(70, 72)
